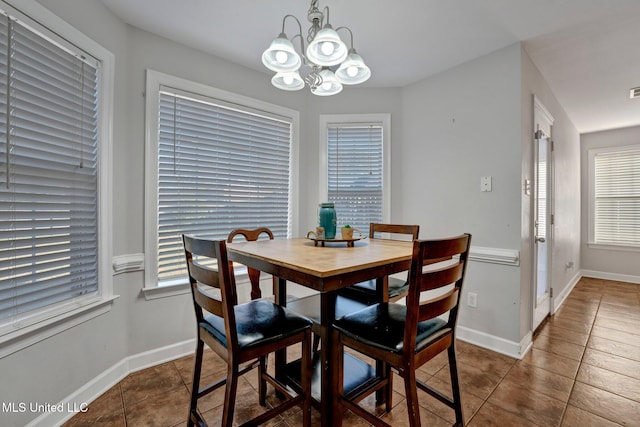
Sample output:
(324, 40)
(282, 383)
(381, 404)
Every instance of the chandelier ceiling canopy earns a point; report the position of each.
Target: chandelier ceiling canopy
(328, 62)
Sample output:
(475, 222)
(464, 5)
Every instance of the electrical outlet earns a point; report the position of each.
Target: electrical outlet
(485, 183)
(472, 299)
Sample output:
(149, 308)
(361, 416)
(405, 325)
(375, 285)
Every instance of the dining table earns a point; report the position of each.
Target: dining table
(325, 269)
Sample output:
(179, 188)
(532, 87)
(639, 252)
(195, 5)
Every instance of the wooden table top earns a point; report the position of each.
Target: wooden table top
(331, 261)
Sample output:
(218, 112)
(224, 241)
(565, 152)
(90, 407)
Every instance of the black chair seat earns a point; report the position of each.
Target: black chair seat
(257, 322)
(366, 291)
(309, 307)
(382, 325)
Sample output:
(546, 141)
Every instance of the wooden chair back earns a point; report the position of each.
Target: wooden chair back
(446, 262)
(394, 229)
(209, 267)
(252, 235)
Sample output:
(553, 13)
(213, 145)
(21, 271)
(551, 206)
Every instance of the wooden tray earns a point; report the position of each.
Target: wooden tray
(349, 242)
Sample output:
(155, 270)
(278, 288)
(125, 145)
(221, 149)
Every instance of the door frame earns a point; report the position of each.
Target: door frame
(542, 120)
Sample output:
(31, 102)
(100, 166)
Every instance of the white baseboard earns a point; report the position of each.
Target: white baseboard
(107, 379)
(160, 355)
(611, 276)
(513, 349)
(559, 299)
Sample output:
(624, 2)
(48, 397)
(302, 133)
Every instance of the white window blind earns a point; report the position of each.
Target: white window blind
(542, 189)
(617, 197)
(220, 167)
(48, 172)
(355, 174)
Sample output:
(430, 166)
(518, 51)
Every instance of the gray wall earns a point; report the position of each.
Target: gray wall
(600, 262)
(457, 126)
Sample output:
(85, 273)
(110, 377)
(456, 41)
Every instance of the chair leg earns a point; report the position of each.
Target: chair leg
(388, 389)
(262, 383)
(455, 385)
(411, 393)
(316, 342)
(338, 379)
(230, 394)
(195, 385)
(305, 377)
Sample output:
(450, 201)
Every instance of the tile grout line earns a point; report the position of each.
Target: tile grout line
(575, 379)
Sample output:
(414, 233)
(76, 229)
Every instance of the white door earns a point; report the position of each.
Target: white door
(542, 226)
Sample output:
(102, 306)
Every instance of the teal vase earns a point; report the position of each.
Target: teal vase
(327, 219)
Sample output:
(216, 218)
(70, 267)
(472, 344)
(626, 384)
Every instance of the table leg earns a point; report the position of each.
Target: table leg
(327, 316)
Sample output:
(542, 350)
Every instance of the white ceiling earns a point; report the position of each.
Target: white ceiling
(587, 50)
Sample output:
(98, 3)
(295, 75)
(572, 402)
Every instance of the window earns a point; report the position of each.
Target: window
(53, 246)
(356, 171)
(219, 162)
(615, 196)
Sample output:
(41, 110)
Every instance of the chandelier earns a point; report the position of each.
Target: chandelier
(327, 61)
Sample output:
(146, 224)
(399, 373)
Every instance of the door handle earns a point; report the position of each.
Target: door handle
(540, 239)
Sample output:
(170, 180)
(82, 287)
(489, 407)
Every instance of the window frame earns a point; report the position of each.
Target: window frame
(384, 119)
(592, 153)
(65, 315)
(154, 81)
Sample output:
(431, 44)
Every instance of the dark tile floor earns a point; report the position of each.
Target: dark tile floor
(583, 370)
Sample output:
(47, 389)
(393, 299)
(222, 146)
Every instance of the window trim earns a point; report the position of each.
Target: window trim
(155, 80)
(67, 315)
(592, 186)
(365, 118)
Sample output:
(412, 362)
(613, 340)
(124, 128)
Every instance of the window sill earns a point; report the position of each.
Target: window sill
(25, 336)
(609, 247)
(165, 291)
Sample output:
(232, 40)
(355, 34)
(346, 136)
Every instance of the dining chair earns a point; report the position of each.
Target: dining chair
(254, 275)
(393, 288)
(241, 334)
(405, 337)
(353, 297)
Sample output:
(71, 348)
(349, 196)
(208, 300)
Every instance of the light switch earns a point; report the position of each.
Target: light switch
(485, 183)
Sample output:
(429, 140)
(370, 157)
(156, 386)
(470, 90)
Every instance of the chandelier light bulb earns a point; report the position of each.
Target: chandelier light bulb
(281, 57)
(330, 85)
(288, 81)
(353, 70)
(327, 48)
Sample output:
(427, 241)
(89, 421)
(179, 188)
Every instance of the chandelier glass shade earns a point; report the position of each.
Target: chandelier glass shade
(328, 62)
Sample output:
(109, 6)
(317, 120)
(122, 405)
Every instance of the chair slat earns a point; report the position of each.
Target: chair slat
(441, 277)
(208, 303)
(437, 306)
(445, 248)
(204, 274)
(200, 247)
(412, 230)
